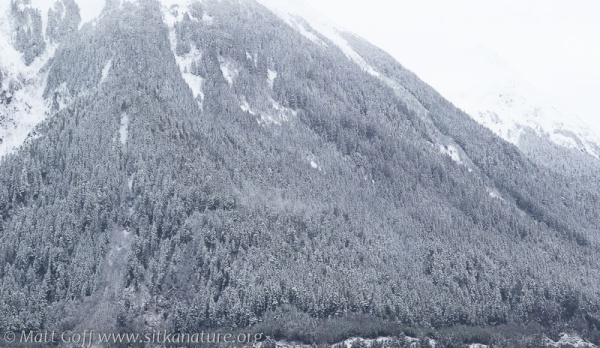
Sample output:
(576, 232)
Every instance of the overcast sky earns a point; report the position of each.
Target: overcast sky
(554, 45)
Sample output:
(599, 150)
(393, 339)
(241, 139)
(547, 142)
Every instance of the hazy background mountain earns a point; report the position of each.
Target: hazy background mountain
(226, 165)
(486, 87)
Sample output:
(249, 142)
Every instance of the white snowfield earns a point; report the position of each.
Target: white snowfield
(124, 129)
(106, 70)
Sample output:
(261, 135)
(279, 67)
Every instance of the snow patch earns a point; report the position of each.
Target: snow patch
(451, 151)
(42, 5)
(207, 19)
(173, 15)
(280, 115)
(119, 243)
(228, 69)
(569, 340)
(494, 193)
(306, 33)
(252, 58)
(410, 100)
(19, 118)
(282, 109)
(174, 11)
(124, 128)
(564, 140)
(23, 86)
(106, 70)
(312, 161)
(271, 76)
(276, 114)
(89, 10)
(294, 13)
(61, 97)
(245, 106)
(195, 82)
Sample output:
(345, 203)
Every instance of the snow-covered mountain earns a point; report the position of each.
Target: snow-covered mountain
(485, 86)
(241, 164)
(23, 105)
(476, 80)
(473, 78)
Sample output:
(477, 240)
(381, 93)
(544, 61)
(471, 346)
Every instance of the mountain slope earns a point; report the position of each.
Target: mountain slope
(487, 88)
(29, 35)
(216, 168)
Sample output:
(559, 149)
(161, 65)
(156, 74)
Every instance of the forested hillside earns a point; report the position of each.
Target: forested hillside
(210, 166)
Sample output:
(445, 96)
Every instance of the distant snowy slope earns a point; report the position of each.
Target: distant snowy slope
(487, 88)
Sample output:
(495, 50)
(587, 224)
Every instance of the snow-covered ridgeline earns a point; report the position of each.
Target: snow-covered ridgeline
(477, 81)
(482, 84)
(296, 14)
